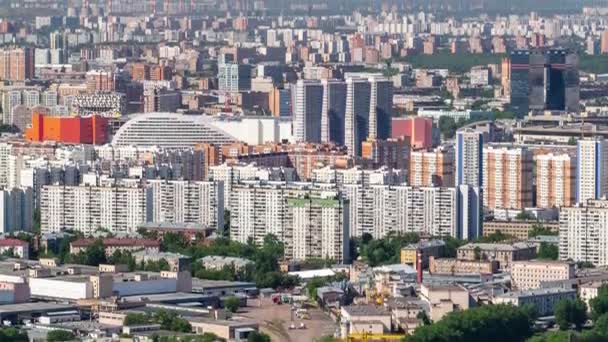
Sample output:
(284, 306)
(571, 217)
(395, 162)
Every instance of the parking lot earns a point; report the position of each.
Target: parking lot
(275, 320)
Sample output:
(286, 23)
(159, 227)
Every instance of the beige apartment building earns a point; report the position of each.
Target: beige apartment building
(555, 180)
(436, 167)
(529, 274)
(456, 266)
(504, 253)
(517, 229)
(507, 177)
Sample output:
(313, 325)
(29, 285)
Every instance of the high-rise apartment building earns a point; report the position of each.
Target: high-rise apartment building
(100, 81)
(16, 210)
(432, 168)
(604, 43)
(369, 103)
(555, 180)
(591, 169)
(16, 64)
(280, 102)
(87, 209)
(233, 77)
(393, 153)
(312, 223)
(545, 79)
(333, 111)
(307, 110)
(583, 232)
(469, 158)
(186, 202)
(507, 177)
(469, 182)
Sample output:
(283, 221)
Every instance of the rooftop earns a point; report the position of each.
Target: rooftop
(365, 310)
(536, 292)
(498, 246)
(12, 243)
(425, 244)
(117, 242)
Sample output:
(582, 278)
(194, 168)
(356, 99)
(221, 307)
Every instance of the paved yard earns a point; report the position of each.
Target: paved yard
(275, 320)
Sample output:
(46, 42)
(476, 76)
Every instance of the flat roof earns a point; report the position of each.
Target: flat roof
(365, 310)
(34, 307)
(536, 292)
(165, 297)
(208, 284)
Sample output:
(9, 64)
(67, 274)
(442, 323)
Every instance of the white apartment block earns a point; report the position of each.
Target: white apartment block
(592, 169)
(555, 180)
(583, 232)
(5, 154)
(312, 223)
(543, 300)
(529, 274)
(230, 175)
(186, 202)
(88, 209)
(469, 158)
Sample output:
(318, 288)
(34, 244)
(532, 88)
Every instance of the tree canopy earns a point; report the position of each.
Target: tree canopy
(569, 313)
(496, 323)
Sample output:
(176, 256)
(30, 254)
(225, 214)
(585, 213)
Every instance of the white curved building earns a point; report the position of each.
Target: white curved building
(173, 130)
(170, 130)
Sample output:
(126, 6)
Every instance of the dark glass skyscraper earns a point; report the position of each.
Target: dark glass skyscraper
(545, 79)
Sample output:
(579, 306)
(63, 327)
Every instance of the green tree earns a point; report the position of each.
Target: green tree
(538, 229)
(572, 141)
(447, 127)
(11, 334)
(524, 216)
(136, 319)
(423, 317)
(59, 335)
(570, 312)
(232, 303)
(496, 323)
(179, 324)
(601, 324)
(548, 251)
(451, 246)
(256, 336)
(599, 304)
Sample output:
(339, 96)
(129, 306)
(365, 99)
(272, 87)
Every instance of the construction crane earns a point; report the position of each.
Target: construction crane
(369, 337)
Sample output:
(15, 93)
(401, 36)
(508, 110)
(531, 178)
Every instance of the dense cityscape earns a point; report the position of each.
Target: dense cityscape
(297, 171)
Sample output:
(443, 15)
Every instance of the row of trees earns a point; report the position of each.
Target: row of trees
(264, 271)
(506, 323)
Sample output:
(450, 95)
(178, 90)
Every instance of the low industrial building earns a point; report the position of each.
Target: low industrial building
(370, 319)
(223, 288)
(529, 274)
(444, 299)
(426, 248)
(517, 229)
(457, 266)
(217, 262)
(117, 244)
(504, 253)
(543, 300)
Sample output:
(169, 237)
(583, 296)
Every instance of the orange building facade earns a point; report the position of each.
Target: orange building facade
(75, 130)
